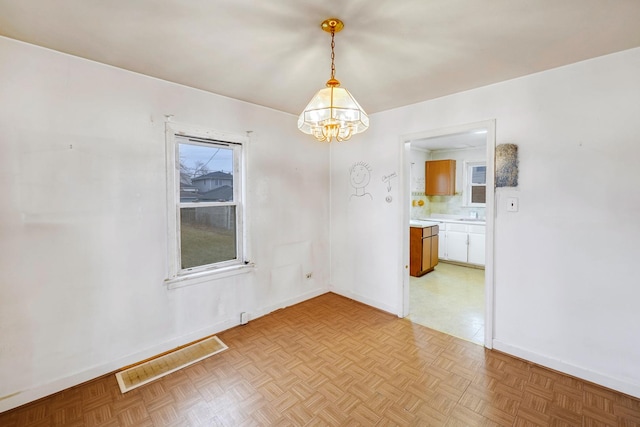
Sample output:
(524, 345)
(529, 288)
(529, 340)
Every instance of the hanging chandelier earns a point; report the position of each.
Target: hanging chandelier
(333, 112)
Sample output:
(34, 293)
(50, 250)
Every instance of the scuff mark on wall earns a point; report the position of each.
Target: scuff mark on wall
(8, 396)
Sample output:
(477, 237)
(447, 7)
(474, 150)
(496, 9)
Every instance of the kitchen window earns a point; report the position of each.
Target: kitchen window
(475, 192)
(205, 180)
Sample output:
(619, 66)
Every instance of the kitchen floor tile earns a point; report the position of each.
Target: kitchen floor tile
(450, 299)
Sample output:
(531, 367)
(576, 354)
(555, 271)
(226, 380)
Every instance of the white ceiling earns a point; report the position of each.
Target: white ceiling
(273, 53)
(455, 141)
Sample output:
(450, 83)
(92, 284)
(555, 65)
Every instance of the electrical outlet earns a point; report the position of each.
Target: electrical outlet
(308, 275)
(512, 204)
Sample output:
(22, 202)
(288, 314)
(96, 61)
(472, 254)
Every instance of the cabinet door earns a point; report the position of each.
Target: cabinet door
(434, 251)
(476, 248)
(426, 253)
(415, 251)
(440, 177)
(457, 246)
(442, 244)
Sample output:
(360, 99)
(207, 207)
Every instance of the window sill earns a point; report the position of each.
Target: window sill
(207, 276)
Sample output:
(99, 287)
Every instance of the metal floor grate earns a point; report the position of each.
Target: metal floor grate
(159, 367)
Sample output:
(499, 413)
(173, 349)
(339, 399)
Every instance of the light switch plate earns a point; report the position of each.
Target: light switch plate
(512, 204)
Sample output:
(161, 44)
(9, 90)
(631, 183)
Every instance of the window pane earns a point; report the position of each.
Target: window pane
(206, 172)
(479, 194)
(207, 235)
(479, 175)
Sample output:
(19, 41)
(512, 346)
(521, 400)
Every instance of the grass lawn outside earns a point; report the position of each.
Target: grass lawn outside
(202, 245)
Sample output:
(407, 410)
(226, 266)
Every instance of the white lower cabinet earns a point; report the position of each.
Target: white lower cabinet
(462, 243)
(476, 249)
(456, 246)
(442, 249)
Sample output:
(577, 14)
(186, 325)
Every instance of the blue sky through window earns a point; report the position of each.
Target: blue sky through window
(200, 159)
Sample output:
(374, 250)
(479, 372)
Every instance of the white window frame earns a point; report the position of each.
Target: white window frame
(176, 276)
(468, 174)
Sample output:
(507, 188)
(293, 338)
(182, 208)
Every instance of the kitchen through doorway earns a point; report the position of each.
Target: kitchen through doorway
(450, 299)
(456, 295)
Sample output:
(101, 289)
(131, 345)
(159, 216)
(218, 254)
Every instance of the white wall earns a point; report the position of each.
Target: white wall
(83, 219)
(566, 284)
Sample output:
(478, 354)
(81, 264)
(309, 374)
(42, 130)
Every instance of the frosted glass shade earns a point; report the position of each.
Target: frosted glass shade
(333, 113)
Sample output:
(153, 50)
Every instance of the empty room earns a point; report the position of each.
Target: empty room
(192, 183)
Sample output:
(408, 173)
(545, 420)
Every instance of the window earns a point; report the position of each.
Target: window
(475, 193)
(205, 195)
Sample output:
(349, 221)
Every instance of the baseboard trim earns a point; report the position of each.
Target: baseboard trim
(599, 378)
(287, 303)
(366, 301)
(23, 397)
(26, 396)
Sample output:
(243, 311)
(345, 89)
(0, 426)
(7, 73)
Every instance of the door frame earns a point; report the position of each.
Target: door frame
(490, 211)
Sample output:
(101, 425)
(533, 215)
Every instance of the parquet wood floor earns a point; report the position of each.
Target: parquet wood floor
(331, 361)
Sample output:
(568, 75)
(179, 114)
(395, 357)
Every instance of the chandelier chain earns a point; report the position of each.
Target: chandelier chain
(333, 55)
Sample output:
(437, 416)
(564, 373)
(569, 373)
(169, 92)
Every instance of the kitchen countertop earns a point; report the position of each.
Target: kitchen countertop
(419, 223)
(436, 221)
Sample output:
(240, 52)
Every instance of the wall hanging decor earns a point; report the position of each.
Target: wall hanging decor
(506, 165)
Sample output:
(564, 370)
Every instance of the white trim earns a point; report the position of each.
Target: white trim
(618, 384)
(207, 276)
(172, 181)
(176, 277)
(405, 201)
(244, 168)
(468, 185)
(490, 212)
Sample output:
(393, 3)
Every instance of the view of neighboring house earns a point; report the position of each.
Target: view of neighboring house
(212, 180)
(188, 192)
(211, 187)
(220, 194)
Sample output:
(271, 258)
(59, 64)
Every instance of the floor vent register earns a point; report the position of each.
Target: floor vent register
(153, 369)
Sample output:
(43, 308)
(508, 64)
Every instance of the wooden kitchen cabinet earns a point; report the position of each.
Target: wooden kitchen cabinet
(423, 250)
(440, 177)
(434, 250)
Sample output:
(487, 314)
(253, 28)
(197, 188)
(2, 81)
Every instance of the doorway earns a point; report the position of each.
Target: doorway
(457, 141)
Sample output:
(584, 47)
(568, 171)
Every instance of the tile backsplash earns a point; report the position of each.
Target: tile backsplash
(418, 209)
(449, 205)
